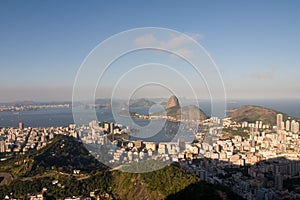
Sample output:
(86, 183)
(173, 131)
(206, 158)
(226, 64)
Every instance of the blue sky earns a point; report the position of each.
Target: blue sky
(255, 44)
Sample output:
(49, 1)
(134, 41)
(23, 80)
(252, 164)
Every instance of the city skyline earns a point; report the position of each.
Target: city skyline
(254, 44)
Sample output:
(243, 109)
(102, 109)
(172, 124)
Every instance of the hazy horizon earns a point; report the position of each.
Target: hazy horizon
(159, 98)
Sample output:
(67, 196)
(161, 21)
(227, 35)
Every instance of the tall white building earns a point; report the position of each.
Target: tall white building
(279, 121)
(295, 127)
(282, 125)
(287, 125)
(292, 125)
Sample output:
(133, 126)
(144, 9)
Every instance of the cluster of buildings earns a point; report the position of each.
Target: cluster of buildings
(122, 151)
(288, 125)
(97, 133)
(31, 107)
(255, 166)
(21, 140)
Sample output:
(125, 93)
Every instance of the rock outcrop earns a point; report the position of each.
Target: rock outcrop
(172, 103)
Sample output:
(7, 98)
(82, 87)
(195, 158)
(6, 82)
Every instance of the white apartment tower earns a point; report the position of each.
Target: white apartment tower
(287, 125)
(279, 121)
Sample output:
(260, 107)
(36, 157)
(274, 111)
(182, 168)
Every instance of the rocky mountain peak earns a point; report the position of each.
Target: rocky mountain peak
(172, 103)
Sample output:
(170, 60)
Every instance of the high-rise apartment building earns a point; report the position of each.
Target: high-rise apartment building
(295, 127)
(279, 121)
(287, 125)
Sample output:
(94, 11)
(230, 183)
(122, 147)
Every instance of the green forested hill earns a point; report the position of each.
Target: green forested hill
(252, 113)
